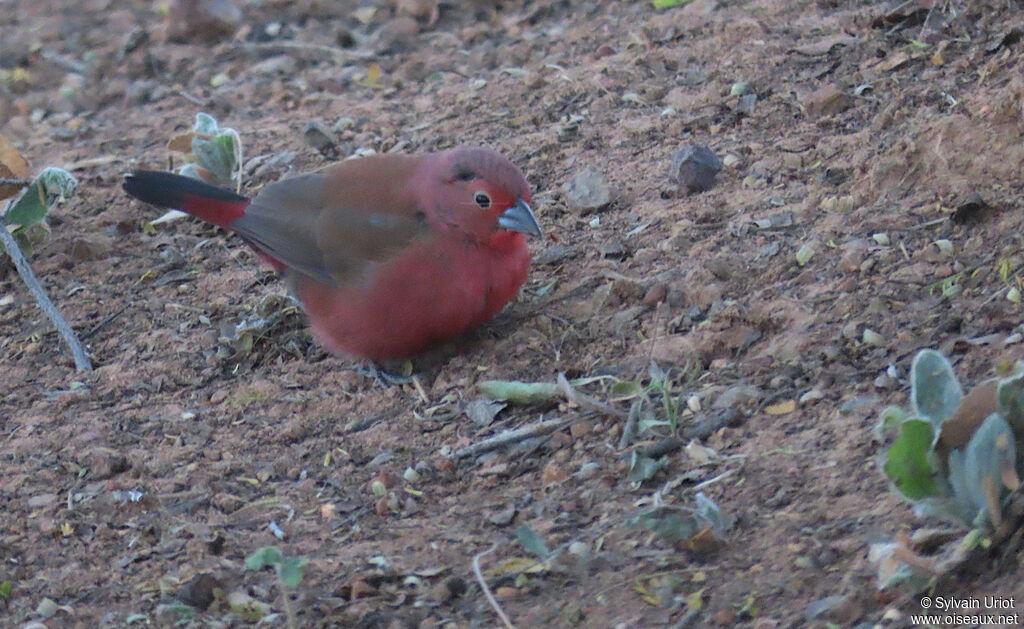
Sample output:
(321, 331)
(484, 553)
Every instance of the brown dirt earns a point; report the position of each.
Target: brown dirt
(856, 131)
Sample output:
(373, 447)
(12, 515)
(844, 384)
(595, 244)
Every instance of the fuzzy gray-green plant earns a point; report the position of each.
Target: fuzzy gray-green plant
(953, 459)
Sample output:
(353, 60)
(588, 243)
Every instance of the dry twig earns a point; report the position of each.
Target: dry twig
(509, 437)
(487, 591)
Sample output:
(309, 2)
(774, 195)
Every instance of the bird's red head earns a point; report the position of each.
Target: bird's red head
(478, 191)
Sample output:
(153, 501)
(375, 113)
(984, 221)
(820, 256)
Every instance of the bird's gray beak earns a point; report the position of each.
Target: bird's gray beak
(520, 218)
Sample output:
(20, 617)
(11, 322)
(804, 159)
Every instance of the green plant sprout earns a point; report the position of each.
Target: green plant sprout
(216, 153)
(289, 572)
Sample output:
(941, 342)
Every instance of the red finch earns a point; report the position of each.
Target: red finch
(388, 254)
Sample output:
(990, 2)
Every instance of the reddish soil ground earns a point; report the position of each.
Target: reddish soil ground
(133, 493)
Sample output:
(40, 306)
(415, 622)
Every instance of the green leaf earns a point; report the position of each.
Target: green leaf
(668, 4)
(215, 149)
(1011, 402)
(6, 589)
(626, 390)
(205, 124)
(642, 468)
(290, 571)
(889, 421)
(519, 392)
(30, 208)
(907, 464)
(266, 556)
(990, 449)
(934, 389)
(57, 183)
(707, 511)
(968, 505)
(669, 523)
(532, 542)
(49, 187)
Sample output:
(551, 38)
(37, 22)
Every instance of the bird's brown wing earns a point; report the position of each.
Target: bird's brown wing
(333, 224)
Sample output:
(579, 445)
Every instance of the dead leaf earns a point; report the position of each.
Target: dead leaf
(181, 143)
(978, 404)
(781, 408)
(12, 166)
(701, 454)
(824, 46)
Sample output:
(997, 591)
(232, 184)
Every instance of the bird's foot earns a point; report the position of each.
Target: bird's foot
(387, 377)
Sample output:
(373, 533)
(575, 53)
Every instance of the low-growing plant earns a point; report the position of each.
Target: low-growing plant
(212, 153)
(289, 570)
(26, 204)
(955, 457)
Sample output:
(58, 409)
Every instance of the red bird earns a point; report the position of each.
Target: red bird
(388, 254)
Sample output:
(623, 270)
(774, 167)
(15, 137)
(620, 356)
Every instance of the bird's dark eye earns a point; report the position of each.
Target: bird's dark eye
(483, 200)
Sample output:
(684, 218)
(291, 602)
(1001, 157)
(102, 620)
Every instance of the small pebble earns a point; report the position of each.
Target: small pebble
(695, 167)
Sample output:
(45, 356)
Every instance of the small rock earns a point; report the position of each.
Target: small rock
(579, 429)
(841, 609)
(853, 256)
(695, 167)
(579, 548)
(746, 104)
(397, 35)
(706, 296)
(41, 500)
(275, 66)
(361, 589)
(503, 517)
(321, 138)
(589, 469)
(675, 349)
(723, 618)
(827, 101)
(553, 473)
(725, 266)
(200, 591)
(420, 9)
(614, 248)
(655, 295)
(555, 254)
(207, 20)
(89, 247)
(738, 395)
(588, 190)
(506, 592)
(104, 463)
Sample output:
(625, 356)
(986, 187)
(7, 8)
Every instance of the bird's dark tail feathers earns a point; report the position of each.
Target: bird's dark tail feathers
(200, 199)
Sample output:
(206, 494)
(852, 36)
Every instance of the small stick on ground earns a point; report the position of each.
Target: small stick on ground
(25, 271)
(509, 437)
(419, 389)
(661, 448)
(630, 428)
(585, 401)
(487, 591)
